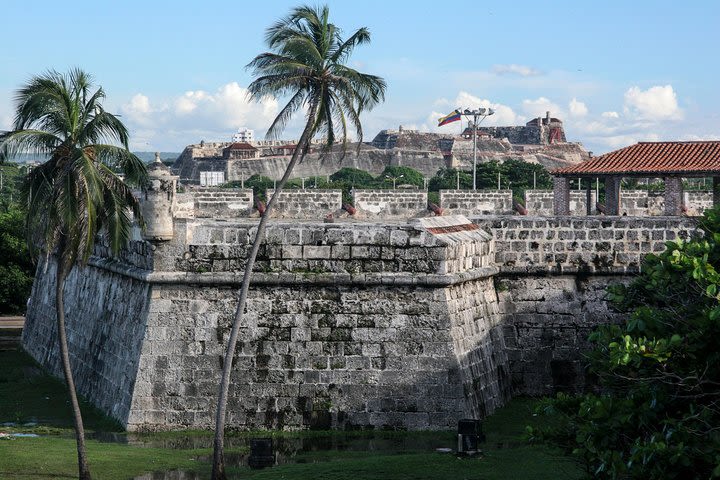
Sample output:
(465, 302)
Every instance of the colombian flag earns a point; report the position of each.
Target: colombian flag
(452, 117)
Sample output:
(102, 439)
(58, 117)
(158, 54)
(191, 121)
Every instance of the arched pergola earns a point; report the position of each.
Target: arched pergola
(671, 161)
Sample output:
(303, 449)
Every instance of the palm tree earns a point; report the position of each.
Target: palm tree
(306, 64)
(75, 194)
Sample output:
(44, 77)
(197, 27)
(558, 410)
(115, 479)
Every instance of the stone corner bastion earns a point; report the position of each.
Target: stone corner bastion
(348, 325)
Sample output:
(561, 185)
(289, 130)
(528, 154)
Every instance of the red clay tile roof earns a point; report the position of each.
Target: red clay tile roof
(652, 158)
(241, 146)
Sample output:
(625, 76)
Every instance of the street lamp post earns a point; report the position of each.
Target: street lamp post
(394, 179)
(481, 113)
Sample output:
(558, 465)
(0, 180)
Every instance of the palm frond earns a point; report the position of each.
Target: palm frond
(308, 55)
(75, 194)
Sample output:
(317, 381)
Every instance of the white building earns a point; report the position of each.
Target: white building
(244, 134)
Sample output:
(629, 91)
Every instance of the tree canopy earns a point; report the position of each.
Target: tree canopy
(656, 413)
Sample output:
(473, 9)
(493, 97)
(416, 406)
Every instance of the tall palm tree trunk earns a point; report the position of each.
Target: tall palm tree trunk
(62, 272)
(218, 470)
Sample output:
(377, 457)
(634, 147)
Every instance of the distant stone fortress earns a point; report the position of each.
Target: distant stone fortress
(542, 140)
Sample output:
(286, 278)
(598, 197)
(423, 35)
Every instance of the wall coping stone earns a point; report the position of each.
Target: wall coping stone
(285, 278)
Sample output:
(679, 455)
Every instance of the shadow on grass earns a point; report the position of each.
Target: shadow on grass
(28, 394)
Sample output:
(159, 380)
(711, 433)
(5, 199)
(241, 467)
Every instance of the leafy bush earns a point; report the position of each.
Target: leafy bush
(352, 176)
(402, 176)
(447, 179)
(515, 174)
(657, 411)
(16, 268)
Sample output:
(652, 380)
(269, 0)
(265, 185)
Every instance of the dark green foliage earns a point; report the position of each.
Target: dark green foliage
(447, 179)
(658, 413)
(11, 175)
(516, 175)
(258, 183)
(16, 268)
(352, 176)
(402, 176)
(309, 182)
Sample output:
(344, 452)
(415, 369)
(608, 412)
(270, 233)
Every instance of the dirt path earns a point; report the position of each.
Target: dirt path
(10, 332)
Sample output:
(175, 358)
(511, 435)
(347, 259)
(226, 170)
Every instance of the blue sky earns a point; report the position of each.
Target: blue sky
(616, 72)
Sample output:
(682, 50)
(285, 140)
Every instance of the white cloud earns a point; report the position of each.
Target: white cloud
(195, 115)
(539, 106)
(514, 69)
(577, 108)
(619, 141)
(610, 115)
(504, 115)
(655, 103)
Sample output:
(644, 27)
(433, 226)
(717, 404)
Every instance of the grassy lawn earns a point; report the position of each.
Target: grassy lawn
(27, 394)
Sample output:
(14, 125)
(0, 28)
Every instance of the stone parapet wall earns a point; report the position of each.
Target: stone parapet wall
(184, 205)
(640, 203)
(308, 203)
(396, 204)
(479, 202)
(541, 202)
(312, 248)
(223, 203)
(590, 244)
(390, 203)
(697, 202)
(213, 202)
(644, 203)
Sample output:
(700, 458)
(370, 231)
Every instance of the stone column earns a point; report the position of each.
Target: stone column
(716, 191)
(561, 196)
(612, 195)
(673, 196)
(589, 207)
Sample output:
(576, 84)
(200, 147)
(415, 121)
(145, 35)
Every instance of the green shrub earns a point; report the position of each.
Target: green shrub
(16, 268)
(657, 413)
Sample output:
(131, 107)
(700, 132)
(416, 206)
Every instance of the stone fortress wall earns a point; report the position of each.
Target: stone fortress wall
(541, 202)
(479, 202)
(406, 203)
(348, 325)
(542, 141)
(390, 203)
(307, 203)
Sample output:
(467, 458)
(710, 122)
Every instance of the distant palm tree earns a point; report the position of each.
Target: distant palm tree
(307, 63)
(75, 194)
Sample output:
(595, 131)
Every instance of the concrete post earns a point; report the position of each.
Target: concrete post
(561, 196)
(158, 202)
(716, 191)
(673, 196)
(612, 195)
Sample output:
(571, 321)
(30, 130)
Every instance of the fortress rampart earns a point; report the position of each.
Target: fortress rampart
(407, 203)
(348, 325)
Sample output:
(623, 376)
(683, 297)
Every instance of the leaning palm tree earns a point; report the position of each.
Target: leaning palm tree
(75, 194)
(306, 64)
